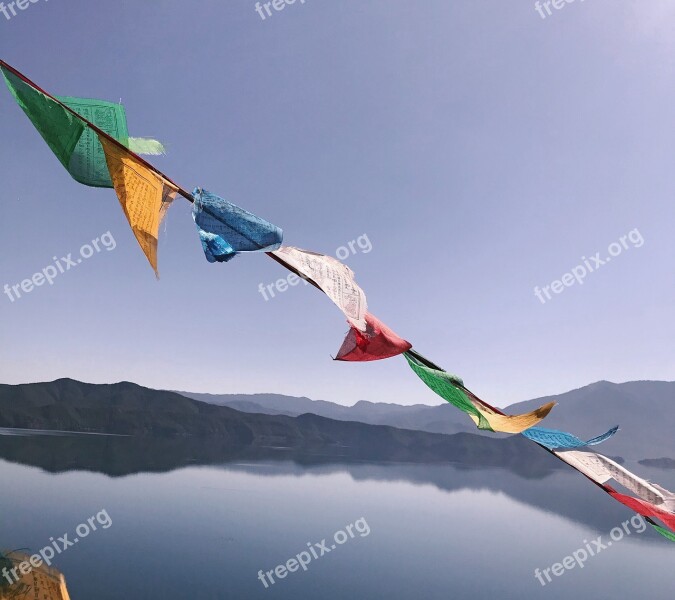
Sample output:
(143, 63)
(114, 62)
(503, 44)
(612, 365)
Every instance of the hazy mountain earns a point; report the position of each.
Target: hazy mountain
(443, 418)
(129, 409)
(645, 411)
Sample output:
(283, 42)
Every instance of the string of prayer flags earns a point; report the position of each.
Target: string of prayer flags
(335, 279)
(554, 439)
(375, 343)
(226, 230)
(91, 140)
(144, 195)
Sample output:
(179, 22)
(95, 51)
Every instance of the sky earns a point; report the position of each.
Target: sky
(480, 149)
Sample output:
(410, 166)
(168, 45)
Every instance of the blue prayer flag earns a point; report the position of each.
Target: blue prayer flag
(226, 229)
(552, 438)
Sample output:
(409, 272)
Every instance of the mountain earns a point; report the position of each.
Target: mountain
(131, 410)
(645, 411)
(443, 418)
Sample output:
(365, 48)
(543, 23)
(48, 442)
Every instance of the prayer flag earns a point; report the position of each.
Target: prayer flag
(226, 230)
(513, 423)
(377, 342)
(76, 145)
(332, 277)
(664, 532)
(447, 386)
(57, 126)
(88, 164)
(552, 438)
(601, 469)
(144, 195)
(646, 509)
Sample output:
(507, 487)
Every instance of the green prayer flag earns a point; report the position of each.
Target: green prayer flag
(87, 163)
(145, 146)
(76, 145)
(445, 385)
(58, 127)
(664, 532)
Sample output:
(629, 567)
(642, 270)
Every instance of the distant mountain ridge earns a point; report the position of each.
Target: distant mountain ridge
(129, 409)
(645, 411)
(443, 418)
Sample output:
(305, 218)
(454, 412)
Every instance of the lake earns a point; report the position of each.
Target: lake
(190, 523)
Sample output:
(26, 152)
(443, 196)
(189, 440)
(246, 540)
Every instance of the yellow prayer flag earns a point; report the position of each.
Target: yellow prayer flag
(144, 195)
(44, 582)
(511, 423)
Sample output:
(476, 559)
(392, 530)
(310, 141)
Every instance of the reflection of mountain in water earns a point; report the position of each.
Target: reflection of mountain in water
(531, 476)
(116, 456)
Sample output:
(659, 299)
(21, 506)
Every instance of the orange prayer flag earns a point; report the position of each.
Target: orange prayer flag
(144, 195)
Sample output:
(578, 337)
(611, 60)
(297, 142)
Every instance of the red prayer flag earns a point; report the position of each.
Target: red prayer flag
(376, 343)
(646, 509)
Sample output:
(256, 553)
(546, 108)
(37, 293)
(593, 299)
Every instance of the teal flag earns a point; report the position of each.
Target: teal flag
(554, 439)
(57, 126)
(76, 145)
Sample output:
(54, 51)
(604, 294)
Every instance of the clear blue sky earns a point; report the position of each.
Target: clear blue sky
(482, 149)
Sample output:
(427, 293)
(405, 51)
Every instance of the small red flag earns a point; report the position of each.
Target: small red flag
(646, 509)
(376, 343)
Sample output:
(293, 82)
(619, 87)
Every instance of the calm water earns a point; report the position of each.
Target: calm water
(190, 524)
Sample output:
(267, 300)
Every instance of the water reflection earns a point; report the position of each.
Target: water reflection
(195, 519)
(537, 479)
